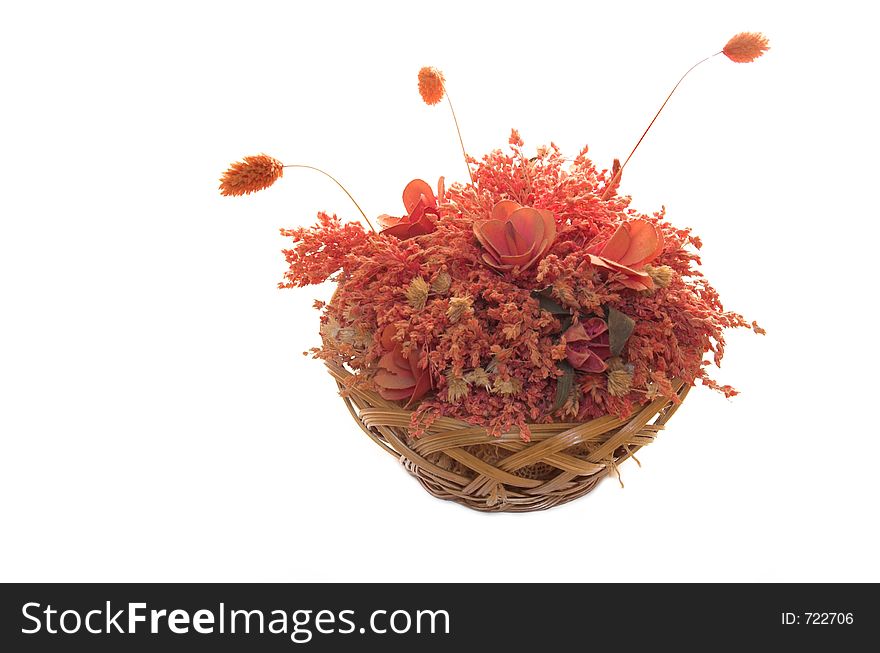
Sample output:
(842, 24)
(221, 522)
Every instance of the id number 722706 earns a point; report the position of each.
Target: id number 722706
(817, 618)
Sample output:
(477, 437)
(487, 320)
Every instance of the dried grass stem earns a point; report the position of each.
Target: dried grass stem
(337, 182)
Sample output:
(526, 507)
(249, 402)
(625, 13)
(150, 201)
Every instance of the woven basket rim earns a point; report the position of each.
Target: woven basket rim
(451, 462)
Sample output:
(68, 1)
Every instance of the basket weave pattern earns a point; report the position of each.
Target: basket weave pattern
(460, 462)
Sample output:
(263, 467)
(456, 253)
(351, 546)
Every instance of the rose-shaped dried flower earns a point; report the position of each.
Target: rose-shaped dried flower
(399, 377)
(515, 236)
(587, 345)
(633, 245)
(421, 211)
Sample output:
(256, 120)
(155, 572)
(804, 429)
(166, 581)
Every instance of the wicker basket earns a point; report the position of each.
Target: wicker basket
(459, 462)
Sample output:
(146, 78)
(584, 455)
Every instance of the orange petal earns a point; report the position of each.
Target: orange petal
(394, 371)
(401, 364)
(503, 209)
(422, 226)
(637, 282)
(401, 231)
(386, 220)
(518, 243)
(599, 261)
(576, 333)
(493, 236)
(616, 248)
(394, 363)
(413, 193)
(407, 229)
(491, 261)
(387, 337)
(525, 234)
(391, 381)
(549, 229)
(660, 245)
(594, 364)
(642, 243)
(519, 240)
(423, 384)
(529, 227)
(395, 395)
(633, 279)
(594, 327)
(523, 260)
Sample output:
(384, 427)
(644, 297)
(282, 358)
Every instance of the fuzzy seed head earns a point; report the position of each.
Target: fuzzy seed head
(619, 382)
(457, 388)
(661, 275)
(441, 283)
(745, 47)
(251, 174)
(431, 85)
(478, 377)
(509, 386)
(458, 308)
(417, 293)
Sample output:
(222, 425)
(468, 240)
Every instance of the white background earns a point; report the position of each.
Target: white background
(158, 419)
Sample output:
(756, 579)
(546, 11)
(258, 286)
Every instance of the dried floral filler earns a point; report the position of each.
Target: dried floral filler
(514, 338)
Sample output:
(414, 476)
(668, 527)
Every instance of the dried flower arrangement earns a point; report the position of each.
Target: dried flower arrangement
(514, 338)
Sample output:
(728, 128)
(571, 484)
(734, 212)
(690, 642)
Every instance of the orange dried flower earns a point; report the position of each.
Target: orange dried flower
(431, 85)
(421, 209)
(515, 236)
(251, 174)
(491, 330)
(587, 345)
(633, 245)
(745, 47)
(400, 377)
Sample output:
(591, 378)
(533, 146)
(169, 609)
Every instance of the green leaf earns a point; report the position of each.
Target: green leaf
(565, 322)
(620, 328)
(564, 384)
(548, 304)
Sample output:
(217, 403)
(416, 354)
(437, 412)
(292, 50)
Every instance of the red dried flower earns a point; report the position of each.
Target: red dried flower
(421, 207)
(634, 244)
(251, 174)
(745, 47)
(400, 377)
(431, 85)
(515, 236)
(587, 345)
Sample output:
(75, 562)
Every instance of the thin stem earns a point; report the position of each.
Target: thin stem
(336, 181)
(616, 177)
(458, 131)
